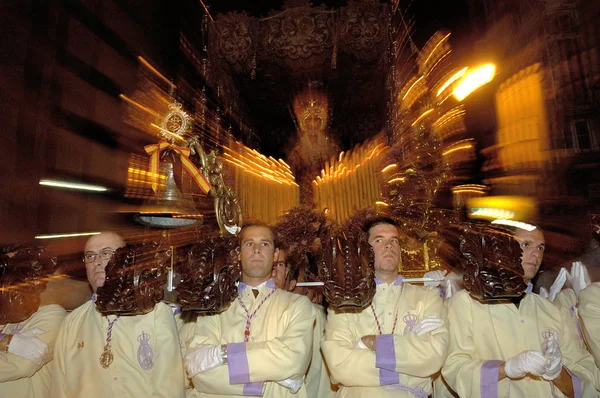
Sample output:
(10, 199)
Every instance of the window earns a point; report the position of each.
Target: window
(582, 135)
(565, 23)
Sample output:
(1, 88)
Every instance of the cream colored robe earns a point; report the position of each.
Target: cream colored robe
(403, 362)
(589, 311)
(482, 336)
(20, 377)
(147, 356)
(279, 348)
(317, 377)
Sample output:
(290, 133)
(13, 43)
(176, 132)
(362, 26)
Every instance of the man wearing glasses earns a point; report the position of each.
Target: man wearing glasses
(116, 356)
(99, 250)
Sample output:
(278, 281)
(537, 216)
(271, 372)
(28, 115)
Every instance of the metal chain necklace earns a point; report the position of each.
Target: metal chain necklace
(106, 359)
(249, 316)
(379, 325)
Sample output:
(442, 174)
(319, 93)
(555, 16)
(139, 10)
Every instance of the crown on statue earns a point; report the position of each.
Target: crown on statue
(311, 110)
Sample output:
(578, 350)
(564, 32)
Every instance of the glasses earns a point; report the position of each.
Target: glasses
(90, 257)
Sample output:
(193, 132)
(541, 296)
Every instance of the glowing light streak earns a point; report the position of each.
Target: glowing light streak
(72, 235)
(411, 87)
(435, 48)
(168, 132)
(451, 113)
(188, 216)
(427, 112)
(145, 173)
(155, 71)
(449, 121)
(473, 80)
(467, 191)
(517, 224)
(380, 203)
(138, 105)
(284, 163)
(388, 167)
(438, 61)
(70, 185)
(260, 166)
(490, 212)
(449, 151)
(469, 188)
(445, 98)
(206, 10)
(397, 179)
(247, 163)
(451, 80)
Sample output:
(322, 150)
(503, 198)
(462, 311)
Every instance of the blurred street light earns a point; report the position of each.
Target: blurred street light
(71, 185)
(473, 80)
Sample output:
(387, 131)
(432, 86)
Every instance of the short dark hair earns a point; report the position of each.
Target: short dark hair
(378, 221)
(260, 224)
(295, 261)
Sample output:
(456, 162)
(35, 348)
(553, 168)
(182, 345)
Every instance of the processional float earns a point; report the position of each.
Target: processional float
(201, 277)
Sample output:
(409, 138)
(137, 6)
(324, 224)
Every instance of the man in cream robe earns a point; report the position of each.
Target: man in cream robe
(317, 377)
(29, 377)
(393, 347)
(262, 344)
(448, 285)
(525, 350)
(589, 311)
(147, 357)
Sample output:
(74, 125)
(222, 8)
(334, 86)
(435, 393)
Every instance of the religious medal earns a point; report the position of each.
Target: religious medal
(106, 359)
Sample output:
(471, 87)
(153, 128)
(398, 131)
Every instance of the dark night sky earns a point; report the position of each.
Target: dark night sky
(433, 15)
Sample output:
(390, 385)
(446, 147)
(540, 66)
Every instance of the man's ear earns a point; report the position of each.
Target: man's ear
(276, 255)
(292, 285)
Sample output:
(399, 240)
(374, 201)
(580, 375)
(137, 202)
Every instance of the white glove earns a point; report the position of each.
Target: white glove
(427, 324)
(551, 351)
(544, 293)
(451, 288)
(203, 358)
(532, 362)
(558, 284)
(579, 277)
(292, 384)
(361, 345)
(27, 345)
(437, 276)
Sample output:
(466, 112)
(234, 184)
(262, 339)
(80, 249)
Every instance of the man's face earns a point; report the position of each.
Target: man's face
(281, 270)
(101, 247)
(383, 238)
(257, 252)
(533, 245)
